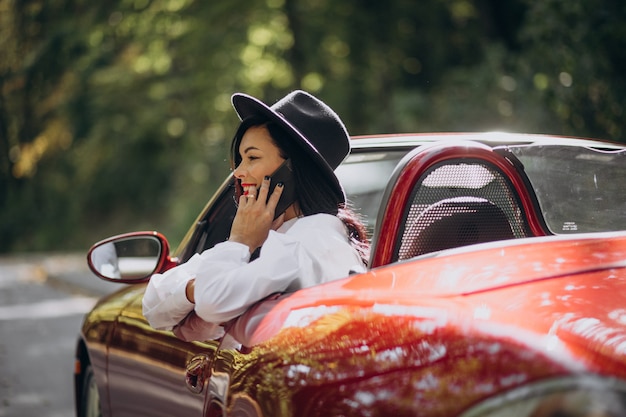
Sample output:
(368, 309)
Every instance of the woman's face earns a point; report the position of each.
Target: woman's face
(259, 157)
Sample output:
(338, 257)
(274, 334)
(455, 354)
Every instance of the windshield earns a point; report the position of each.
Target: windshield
(364, 176)
(579, 189)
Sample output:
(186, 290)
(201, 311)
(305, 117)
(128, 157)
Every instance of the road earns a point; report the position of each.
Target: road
(42, 301)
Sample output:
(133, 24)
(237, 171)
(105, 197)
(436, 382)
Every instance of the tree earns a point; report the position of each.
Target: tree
(116, 116)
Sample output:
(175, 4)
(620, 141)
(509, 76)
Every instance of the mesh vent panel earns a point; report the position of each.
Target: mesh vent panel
(458, 204)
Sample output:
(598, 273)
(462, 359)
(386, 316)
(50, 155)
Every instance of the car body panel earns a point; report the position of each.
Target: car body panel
(136, 372)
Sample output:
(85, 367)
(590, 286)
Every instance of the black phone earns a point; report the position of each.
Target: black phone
(284, 174)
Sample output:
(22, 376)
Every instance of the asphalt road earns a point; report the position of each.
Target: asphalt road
(42, 301)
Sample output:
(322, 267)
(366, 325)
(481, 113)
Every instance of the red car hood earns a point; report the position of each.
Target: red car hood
(568, 288)
(469, 270)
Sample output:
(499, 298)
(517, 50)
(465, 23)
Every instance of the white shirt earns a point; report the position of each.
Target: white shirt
(303, 252)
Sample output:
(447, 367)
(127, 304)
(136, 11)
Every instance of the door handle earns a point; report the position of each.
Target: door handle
(197, 372)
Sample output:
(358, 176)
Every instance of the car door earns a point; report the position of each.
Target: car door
(146, 367)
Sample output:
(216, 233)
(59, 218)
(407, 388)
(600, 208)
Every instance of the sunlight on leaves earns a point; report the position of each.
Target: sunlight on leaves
(541, 81)
(336, 47)
(250, 54)
(176, 127)
(260, 36)
(313, 81)
(462, 10)
(176, 5)
(55, 137)
(275, 4)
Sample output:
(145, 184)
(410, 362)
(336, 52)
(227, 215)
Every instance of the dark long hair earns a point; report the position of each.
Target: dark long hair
(312, 194)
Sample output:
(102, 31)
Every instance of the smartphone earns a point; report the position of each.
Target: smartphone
(283, 174)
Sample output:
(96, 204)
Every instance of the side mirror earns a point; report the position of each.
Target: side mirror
(131, 257)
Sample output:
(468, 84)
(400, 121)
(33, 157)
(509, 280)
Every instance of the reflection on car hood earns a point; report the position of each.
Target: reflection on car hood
(480, 268)
(442, 276)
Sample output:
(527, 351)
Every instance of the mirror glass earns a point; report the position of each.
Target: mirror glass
(129, 258)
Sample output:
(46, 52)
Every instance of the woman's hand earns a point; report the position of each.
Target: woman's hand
(255, 217)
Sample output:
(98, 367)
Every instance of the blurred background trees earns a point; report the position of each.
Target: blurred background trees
(115, 116)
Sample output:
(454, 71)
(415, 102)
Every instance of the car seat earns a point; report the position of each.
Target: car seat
(455, 222)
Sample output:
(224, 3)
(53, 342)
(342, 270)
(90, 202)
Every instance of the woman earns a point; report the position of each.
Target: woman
(316, 239)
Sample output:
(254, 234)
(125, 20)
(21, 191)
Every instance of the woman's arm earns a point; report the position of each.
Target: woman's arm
(222, 294)
(165, 302)
(310, 251)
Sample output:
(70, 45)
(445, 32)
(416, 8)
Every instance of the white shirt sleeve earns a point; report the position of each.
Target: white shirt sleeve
(303, 252)
(165, 301)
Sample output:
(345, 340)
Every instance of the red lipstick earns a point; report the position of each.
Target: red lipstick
(245, 187)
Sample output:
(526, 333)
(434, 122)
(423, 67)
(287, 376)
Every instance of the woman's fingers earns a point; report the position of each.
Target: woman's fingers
(261, 200)
(255, 215)
(275, 197)
(263, 191)
(248, 197)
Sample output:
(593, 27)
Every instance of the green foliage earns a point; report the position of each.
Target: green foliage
(576, 61)
(115, 116)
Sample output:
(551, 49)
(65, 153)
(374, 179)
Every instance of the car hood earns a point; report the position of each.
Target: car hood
(530, 272)
(474, 269)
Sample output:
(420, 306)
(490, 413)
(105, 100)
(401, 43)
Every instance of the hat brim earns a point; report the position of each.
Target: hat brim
(248, 106)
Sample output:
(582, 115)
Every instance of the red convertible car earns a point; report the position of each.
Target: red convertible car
(496, 287)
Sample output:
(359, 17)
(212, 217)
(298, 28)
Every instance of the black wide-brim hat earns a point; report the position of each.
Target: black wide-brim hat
(311, 123)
